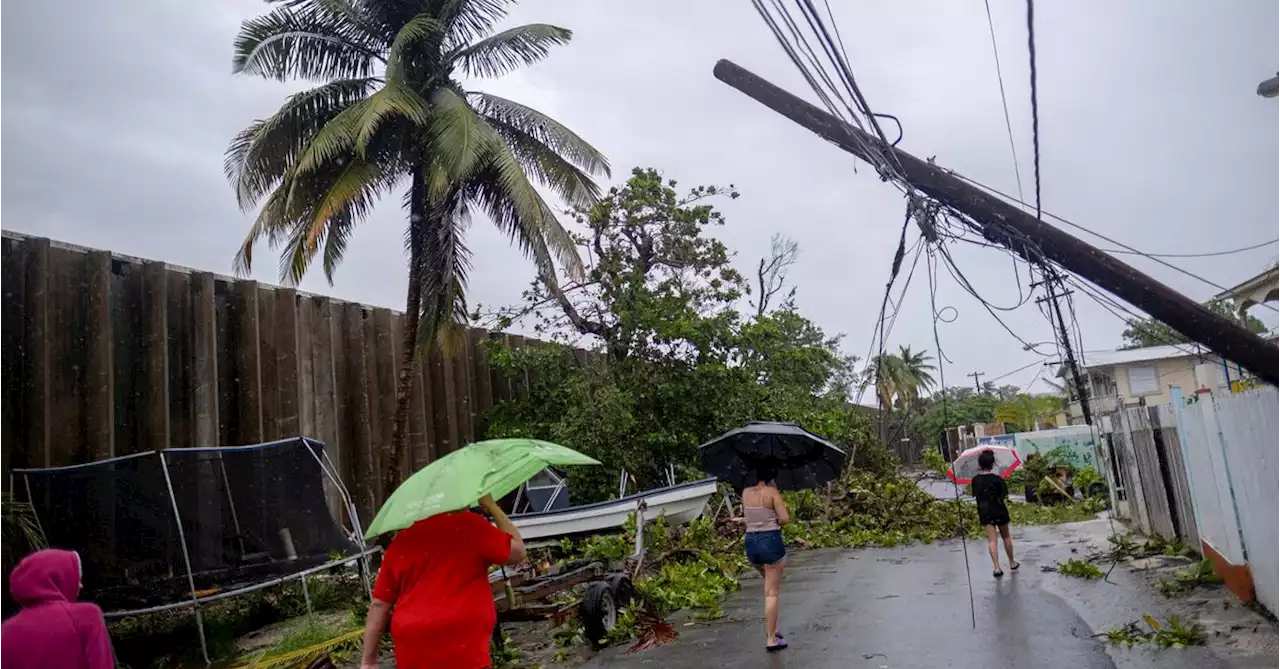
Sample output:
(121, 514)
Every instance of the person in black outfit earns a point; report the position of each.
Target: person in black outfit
(991, 493)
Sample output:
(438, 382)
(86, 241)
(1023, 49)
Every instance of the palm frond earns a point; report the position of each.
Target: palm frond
(509, 50)
(458, 137)
(418, 29)
(517, 208)
(339, 201)
(444, 260)
(469, 20)
(310, 42)
(545, 129)
(334, 140)
(548, 167)
(21, 529)
(273, 221)
(260, 155)
(392, 99)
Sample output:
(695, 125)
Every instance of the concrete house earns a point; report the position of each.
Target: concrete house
(1145, 375)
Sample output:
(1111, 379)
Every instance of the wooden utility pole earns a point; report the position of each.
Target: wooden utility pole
(1008, 226)
(1052, 283)
(976, 386)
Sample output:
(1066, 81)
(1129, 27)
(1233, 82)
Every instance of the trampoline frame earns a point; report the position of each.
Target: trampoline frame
(195, 603)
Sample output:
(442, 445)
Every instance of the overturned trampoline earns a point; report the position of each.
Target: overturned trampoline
(180, 528)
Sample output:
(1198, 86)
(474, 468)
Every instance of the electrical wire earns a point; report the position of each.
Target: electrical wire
(1194, 255)
(1004, 100)
(1130, 249)
(930, 265)
(1035, 102)
(1008, 374)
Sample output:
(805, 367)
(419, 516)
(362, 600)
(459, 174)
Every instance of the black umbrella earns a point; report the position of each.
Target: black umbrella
(801, 459)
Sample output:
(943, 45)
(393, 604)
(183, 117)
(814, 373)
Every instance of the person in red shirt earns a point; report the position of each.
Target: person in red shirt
(435, 577)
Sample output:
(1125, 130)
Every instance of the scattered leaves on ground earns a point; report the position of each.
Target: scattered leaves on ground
(1174, 633)
(1079, 569)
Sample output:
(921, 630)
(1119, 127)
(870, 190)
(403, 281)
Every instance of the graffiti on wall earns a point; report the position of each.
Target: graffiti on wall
(1074, 444)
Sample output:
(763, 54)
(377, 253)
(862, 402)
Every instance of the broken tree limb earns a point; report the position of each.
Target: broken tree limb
(1004, 224)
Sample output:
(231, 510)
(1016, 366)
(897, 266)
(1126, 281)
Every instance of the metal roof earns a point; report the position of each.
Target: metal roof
(1095, 359)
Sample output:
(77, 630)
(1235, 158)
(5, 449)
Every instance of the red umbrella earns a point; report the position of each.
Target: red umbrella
(965, 466)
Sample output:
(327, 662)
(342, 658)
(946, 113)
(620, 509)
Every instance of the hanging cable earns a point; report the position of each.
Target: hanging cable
(930, 265)
(1035, 102)
(1099, 235)
(1194, 255)
(1004, 100)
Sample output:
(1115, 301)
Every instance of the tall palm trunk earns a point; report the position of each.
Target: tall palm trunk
(396, 456)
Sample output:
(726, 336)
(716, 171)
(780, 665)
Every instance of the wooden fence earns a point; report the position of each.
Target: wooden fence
(105, 355)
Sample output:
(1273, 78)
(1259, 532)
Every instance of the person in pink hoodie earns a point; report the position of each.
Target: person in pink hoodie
(53, 630)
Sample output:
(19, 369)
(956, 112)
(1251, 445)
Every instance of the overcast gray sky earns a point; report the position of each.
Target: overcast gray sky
(116, 116)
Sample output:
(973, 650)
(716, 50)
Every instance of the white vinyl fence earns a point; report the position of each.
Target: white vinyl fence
(1235, 440)
(1207, 467)
(1220, 450)
(1248, 425)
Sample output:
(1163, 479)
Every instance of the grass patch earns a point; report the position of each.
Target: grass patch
(1188, 578)
(170, 638)
(1174, 633)
(1079, 569)
(1035, 514)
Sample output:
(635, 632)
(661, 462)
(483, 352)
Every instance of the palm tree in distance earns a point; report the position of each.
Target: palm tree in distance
(917, 373)
(389, 110)
(899, 379)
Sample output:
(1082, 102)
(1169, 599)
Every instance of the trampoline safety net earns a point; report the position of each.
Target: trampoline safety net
(247, 513)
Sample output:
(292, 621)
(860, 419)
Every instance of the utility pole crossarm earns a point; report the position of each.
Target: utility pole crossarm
(1004, 224)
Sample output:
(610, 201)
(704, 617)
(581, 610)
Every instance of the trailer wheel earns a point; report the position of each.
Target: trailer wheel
(599, 612)
(624, 592)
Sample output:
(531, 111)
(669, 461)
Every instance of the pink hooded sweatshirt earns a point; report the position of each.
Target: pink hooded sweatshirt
(53, 630)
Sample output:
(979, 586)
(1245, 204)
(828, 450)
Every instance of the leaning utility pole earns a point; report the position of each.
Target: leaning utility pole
(976, 386)
(1004, 224)
(1053, 282)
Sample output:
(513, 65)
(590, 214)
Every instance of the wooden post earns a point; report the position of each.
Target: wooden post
(36, 354)
(498, 380)
(100, 394)
(13, 374)
(154, 413)
(204, 361)
(328, 413)
(248, 372)
(1008, 226)
(287, 366)
(386, 368)
(444, 403)
(269, 364)
(355, 399)
(482, 382)
(463, 370)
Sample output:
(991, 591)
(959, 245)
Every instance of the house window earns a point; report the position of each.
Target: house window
(1143, 380)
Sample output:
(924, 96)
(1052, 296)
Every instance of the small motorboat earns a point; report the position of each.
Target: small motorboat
(551, 517)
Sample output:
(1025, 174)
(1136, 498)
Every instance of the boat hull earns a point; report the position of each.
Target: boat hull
(679, 504)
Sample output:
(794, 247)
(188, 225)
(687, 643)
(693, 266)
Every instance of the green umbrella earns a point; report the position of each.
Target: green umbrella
(461, 478)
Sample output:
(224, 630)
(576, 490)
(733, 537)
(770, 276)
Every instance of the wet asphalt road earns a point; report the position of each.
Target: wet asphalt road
(909, 607)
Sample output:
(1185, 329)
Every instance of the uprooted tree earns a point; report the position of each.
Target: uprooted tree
(678, 363)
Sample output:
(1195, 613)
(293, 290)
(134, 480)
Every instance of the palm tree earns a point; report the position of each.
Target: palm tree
(917, 373)
(886, 372)
(390, 109)
(1029, 411)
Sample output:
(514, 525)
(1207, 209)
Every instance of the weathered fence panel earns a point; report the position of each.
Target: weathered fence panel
(1155, 496)
(1166, 434)
(105, 355)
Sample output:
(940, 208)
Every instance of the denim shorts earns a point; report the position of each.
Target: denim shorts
(765, 548)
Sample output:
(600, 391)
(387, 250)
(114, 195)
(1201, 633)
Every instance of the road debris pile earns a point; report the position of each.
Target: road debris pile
(1172, 634)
